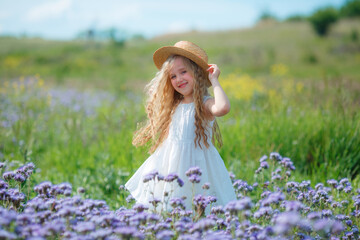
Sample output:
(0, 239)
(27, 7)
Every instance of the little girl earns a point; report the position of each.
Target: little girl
(182, 128)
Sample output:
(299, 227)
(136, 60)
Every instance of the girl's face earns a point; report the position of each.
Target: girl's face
(182, 80)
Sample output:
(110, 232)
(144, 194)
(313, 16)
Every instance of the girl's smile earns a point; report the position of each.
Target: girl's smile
(182, 80)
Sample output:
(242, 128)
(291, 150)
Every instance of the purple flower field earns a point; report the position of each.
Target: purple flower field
(273, 207)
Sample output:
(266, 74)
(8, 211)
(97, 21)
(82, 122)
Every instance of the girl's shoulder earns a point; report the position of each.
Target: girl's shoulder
(207, 97)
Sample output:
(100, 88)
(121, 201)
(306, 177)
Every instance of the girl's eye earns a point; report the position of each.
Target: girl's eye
(172, 77)
(183, 72)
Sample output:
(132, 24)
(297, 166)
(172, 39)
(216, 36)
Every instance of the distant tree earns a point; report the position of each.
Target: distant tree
(90, 34)
(296, 18)
(266, 15)
(138, 36)
(350, 9)
(322, 19)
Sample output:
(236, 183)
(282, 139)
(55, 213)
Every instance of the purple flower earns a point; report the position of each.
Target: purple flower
(344, 181)
(165, 235)
(160, 177)
(305, 184)
(101, 233)
(67, 211)
(150, 176)
(206, 186)
(349, 222)
(273, 198)
(326, 213)
(171, 177)
(130, 198)
(332, 182)
(127, 232)
(276, 177)
(3, 185)
(292, 184)
(162, 226)
(43, 187)
(194, 178)
(340, 188)
(285, 221)
(275, 156)
(232, 176)
(241, 185)
(347, 189)
(327, 225)
(217, 210)
(200, 201)
(239, 205)
(203, 225)
(81, 190)
(180, 226)
(319, 186)
(147, 178)
(336, 205)
(264, 165)
(140, 207)
(154, 201)
(212, 199)
(177, 202)
(263, 211)
(293, 206)
(8, 176)
(287, 163)
(263, 158)
(193, 171)
(7, 235)
(180, 182)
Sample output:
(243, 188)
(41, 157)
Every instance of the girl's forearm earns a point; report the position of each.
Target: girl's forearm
(222, 103)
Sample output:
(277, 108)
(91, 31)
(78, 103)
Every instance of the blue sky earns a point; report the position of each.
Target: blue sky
(64, 19)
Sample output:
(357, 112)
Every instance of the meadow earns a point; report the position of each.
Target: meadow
(71, 107)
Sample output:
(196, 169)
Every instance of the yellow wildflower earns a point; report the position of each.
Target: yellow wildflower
(279, 70)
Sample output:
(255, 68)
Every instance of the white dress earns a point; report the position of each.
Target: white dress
(176, 155)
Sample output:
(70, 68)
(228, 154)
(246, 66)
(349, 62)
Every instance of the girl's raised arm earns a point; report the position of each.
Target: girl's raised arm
(220, 104)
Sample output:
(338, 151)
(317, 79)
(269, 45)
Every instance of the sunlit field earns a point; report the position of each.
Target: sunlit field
(292, 135)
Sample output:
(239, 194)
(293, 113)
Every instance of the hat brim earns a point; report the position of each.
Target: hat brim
(163, 53)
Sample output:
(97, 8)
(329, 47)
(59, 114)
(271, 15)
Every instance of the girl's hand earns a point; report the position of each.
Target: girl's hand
(214, 73)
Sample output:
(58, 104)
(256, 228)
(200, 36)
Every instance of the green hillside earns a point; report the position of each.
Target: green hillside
(254, 50)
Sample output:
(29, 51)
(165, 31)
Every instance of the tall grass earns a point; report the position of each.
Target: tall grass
(84, 137)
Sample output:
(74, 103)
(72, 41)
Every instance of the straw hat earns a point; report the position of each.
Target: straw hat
(182, 48)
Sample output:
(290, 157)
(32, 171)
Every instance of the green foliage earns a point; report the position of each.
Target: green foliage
(296, 18)
(322, 19)
(354, 36)
(266, 15)
(310, 58)
(350, 9)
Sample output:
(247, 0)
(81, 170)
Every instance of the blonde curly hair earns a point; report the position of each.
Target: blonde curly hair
(162, 101)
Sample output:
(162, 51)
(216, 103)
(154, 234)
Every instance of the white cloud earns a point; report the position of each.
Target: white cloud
(48, 10)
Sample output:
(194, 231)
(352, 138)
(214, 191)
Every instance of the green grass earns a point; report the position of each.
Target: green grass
(317, 126)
